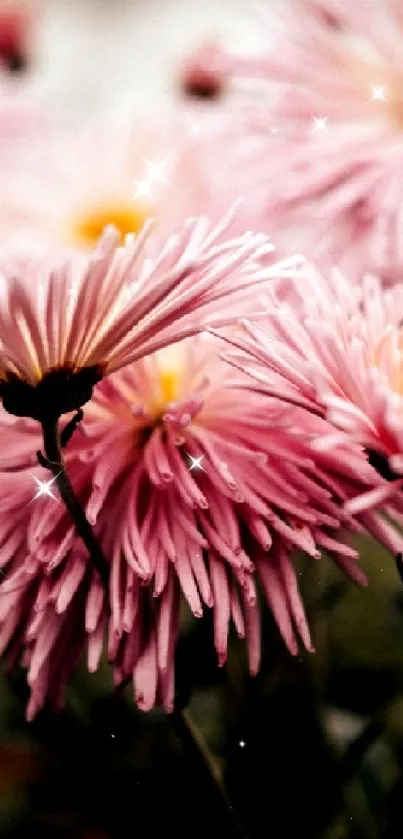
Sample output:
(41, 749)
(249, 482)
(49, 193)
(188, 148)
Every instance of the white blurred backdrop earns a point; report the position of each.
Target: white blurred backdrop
(92, 54)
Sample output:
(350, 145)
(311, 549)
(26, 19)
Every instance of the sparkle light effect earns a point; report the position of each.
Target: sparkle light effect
(154, 173)
(320, 124)
(242, 744)
(196, 462)
(378, 92)
(45, 488)
(155, 169)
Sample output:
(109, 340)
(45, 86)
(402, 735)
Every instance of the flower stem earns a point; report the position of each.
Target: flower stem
(399, 565)
(55, 463)
(207, 775)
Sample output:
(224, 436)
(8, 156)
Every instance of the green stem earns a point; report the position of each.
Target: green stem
(206, 773)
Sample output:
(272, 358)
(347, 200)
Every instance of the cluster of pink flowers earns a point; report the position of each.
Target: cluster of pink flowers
(195, 484)
(221, 411)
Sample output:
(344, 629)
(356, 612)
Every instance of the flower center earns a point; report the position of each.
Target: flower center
(169, 369)
(169, 385)
(127, 217)
(168, 389)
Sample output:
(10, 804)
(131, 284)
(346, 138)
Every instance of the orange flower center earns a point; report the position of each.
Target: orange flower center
(127, 217)
(169, 385)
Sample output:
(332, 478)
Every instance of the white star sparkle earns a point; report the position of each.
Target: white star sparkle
(320, 124)
(378, 92)
(155, 169)
(45, 488)
(196, 462)
(154, 173)
(242, 744)
(143, 189)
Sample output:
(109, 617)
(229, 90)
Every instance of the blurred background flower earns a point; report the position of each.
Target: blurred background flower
(330, 78)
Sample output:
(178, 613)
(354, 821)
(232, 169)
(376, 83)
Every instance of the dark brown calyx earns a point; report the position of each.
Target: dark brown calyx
(60, 391)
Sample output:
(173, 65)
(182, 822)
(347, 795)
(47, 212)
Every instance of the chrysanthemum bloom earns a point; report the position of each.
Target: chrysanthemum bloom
(336, 351)
(61, 187)
(66, 186)
(62, 329)
(196, 486)
(333, 188)
(35, 625)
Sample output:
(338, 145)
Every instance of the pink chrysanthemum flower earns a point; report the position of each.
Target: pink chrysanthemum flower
(336, 350)
(334, 95)
(196, 486)
(64, 186)
(63, 328)
(85, 179)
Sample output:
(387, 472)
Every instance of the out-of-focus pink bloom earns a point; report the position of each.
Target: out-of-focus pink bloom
(16, 21)
(203, 75)
(61, 187)
(225, 150)
(334, 95)
(197, 486)
(22, 120)
(64, 188)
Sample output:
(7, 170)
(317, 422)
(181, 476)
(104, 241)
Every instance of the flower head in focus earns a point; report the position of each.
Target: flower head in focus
(333, 183)
(190, 497)
(335, 350)
(63, 328)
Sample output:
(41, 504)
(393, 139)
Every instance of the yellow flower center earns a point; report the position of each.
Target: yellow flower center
(127, 217)
(169, 385)
(169, 368)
